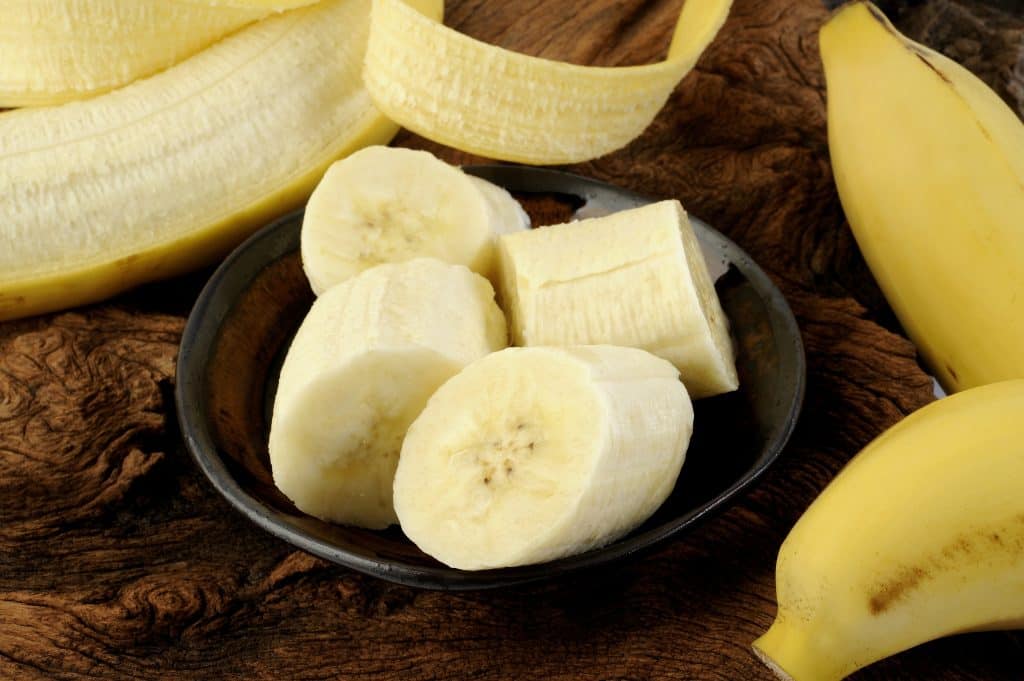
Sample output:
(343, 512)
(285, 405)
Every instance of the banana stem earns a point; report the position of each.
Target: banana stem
(795, 655)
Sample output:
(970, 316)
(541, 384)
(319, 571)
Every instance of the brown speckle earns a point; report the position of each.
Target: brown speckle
(894, 590)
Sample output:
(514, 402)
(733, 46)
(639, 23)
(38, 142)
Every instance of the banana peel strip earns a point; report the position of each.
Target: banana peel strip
(54, 51)
(169, 173)
(493, 102)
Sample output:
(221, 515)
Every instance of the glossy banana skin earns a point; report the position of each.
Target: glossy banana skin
(920, 536)
(929, 163)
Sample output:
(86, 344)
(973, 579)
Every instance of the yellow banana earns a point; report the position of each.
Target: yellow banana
(53, 51)
(930, 168)
(170, 172)
(920, 536)
(497, 103)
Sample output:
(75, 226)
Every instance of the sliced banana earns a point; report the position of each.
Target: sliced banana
(531, 454)
(386, 204)
(635, 278)
(365, 360)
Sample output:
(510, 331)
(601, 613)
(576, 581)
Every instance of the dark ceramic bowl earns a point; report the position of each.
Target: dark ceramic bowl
(244, 319)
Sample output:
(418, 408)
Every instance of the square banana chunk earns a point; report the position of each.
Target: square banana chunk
(635, 278)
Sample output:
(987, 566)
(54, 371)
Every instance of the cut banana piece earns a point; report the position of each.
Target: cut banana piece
(500, 104)
(532, 454)
(365, 360)
(53, 51)
(385, 204)
(171, 172)
(635, 278)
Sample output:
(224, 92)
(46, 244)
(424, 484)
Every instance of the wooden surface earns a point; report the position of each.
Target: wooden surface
(118, 561)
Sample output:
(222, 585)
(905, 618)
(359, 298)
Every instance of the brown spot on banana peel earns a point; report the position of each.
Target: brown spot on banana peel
(1005, 540)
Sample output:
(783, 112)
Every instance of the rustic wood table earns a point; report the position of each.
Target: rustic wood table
(119, 561)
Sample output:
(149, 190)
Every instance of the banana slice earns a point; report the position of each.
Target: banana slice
(171, 172)
(53, 51)
(635, 278)
(386, 204)
(365, 360)
(500, 104)
(531, 454)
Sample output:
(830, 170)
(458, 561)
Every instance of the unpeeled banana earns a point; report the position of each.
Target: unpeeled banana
(384, 204)
(366, 358)
(636, 278)
(920, 536)
(531, 454)
(500, 104)
(171, 172)
(930, 168)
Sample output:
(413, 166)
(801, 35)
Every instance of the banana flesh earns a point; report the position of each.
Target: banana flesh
(929, 163)
(571, 449)
(171, 172)
(53, 51)
(366, 358)
(920, 536)
(385, 204)
(635, 278)
(495, 103)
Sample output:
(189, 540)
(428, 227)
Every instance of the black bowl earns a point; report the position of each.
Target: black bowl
(244, 319)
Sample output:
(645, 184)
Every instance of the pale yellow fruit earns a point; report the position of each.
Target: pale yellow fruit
(532, 454)
(53, 51)
(171, 172)
(366, 358)
(636, 278)
(384, 204)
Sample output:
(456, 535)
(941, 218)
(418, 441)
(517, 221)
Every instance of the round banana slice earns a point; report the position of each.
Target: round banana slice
(531, 454)
(386, 205)
(366, 358)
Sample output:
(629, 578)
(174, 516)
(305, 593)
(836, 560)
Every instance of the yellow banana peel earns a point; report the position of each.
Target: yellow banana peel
(929, 163)
(493, 102)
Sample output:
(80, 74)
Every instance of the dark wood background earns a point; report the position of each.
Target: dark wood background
(118, 561)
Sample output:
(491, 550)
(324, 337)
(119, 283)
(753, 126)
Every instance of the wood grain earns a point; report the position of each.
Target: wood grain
(118, 561)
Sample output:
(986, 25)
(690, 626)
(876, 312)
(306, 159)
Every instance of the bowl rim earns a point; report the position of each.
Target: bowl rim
(222, 291)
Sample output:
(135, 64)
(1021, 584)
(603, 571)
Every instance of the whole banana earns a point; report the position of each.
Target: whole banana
(920, 536)
(930, 168)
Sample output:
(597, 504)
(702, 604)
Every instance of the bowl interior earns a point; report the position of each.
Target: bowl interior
(239, 332)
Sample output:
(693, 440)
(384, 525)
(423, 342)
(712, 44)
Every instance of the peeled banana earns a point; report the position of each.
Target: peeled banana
(53, 51)
(530, 454)
(500, 104)
(635, 278)
(920, 536)
(366, 358)
(930, 168)
(384, 204)
(171, 172)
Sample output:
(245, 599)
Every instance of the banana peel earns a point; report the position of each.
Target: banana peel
(496, 103)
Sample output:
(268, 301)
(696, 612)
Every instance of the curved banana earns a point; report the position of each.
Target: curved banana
(485, 100)
(53, 51)
(171, 172)
(920, 536)
(929, 163)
